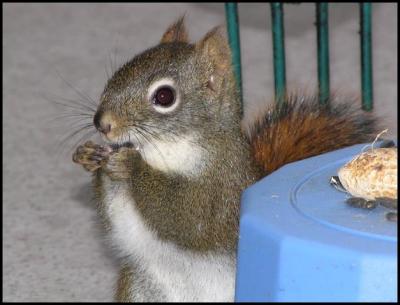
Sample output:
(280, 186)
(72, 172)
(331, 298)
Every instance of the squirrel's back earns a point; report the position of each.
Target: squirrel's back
(301, 127)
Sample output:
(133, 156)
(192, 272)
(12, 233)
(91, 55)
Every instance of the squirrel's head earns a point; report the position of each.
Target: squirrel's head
(173, 89)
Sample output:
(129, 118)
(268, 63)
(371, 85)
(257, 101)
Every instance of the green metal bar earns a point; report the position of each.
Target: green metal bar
(323, 52)
(366, 55)
(232, 20)
(278, 50)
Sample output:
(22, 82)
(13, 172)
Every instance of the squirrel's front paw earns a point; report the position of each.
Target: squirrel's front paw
(91, 156)
(118, 166)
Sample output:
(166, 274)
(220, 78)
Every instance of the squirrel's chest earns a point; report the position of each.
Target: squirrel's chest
(180, 275)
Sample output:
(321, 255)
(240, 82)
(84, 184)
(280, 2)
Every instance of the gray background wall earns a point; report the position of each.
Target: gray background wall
(52, 248)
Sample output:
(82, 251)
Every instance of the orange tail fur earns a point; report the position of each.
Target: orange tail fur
(302, 128)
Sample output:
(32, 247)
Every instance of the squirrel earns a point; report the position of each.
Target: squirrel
(168, 182)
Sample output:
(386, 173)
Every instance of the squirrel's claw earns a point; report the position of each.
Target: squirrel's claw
(91, 156)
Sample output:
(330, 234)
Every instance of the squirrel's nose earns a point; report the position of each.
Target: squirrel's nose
(102, 122)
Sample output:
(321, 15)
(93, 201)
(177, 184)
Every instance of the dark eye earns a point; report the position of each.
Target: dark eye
(164, 96)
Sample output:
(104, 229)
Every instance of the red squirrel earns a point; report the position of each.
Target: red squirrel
(169, 180)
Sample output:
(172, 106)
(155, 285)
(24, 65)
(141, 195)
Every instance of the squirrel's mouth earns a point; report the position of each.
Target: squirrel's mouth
(116, 146)
(122, 140)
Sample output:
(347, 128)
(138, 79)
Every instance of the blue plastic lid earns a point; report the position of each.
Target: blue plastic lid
(300, 241)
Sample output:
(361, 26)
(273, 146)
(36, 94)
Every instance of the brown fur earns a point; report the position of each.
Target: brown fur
(201, 213)
(124, 284)
(176, 32)
(301, 128)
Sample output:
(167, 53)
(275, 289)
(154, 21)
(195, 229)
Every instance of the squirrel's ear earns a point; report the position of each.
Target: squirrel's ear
(176, 32)
(215, 48)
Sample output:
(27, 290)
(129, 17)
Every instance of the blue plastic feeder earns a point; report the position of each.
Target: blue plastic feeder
(300, 241)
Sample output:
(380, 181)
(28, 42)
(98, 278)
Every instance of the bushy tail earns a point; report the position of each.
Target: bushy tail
(302, 128)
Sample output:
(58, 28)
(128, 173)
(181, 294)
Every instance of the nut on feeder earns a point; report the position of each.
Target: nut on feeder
(371, 179)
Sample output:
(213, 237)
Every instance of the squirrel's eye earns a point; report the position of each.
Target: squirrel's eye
(164, 96)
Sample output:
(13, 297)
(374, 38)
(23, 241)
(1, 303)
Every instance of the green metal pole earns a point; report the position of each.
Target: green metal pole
(232, 20)
(323, 52)
(278, 50)
(366, 55)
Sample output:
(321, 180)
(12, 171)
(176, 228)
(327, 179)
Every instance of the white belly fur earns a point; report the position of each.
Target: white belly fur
(182, 274)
